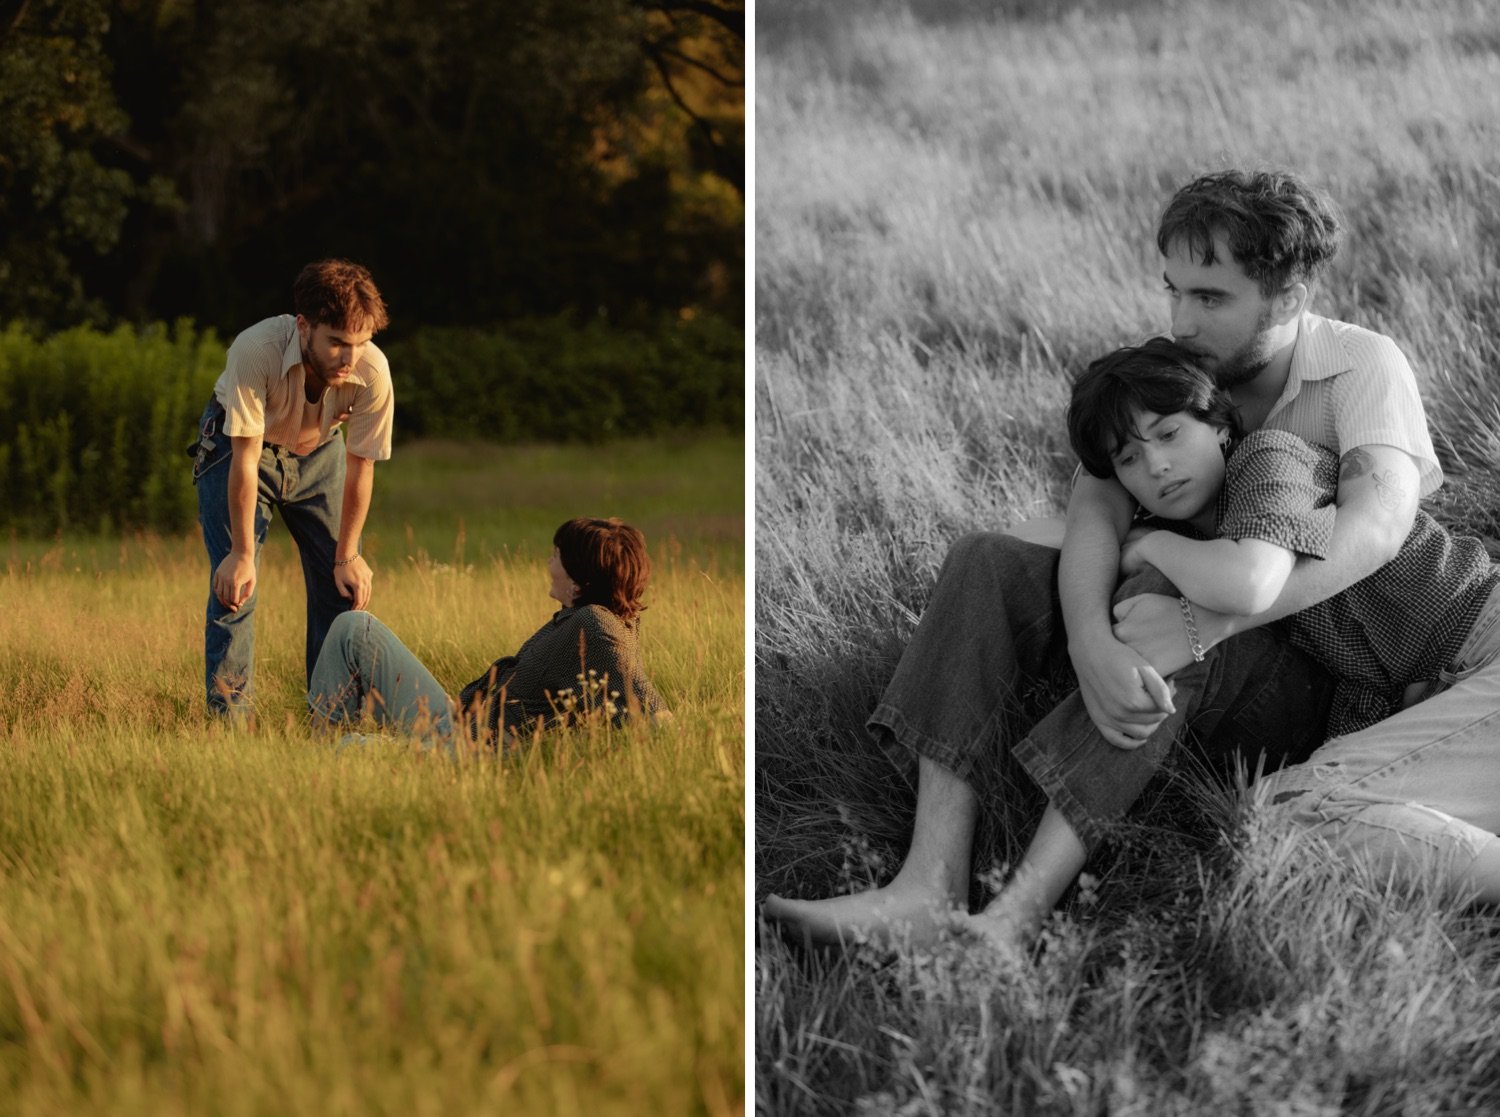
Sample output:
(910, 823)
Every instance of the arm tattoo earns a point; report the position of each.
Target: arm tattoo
(1354, 465)
(1388, 491)
(1357, 462)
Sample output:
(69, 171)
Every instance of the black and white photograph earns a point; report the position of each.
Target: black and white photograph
(1126, 602)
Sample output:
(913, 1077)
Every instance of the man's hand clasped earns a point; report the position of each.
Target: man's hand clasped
(1126, 697)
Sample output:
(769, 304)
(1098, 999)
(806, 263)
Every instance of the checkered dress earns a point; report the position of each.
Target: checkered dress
(1402, 624)
(537, 682)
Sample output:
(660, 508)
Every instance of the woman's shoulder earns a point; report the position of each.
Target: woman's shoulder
(594, 621)
(1272, 451)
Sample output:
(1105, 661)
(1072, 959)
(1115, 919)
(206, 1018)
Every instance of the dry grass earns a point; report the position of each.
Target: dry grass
(954, 214)
(194, 920)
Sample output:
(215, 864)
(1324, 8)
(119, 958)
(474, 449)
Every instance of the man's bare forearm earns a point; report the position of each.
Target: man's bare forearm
(1378, 492)
(1098, 514)
(244, 479)
(359, 486)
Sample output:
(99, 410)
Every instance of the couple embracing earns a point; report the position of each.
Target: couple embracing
(1255, 482)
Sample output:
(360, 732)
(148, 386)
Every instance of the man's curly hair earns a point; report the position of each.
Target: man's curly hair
(1278, 228)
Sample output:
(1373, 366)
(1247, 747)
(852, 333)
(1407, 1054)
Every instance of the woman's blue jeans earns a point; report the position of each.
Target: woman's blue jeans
(309, 492)
(993, 628)
(364, 670)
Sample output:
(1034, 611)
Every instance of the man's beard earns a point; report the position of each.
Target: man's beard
(321, 375)
(1248, 361)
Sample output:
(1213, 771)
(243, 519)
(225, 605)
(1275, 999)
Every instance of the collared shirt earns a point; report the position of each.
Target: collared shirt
(1404, 623)
(585, 654)
(262, 389)
(1350, 387)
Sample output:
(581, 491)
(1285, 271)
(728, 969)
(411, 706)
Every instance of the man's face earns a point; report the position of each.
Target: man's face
(329, 353)
(1173, 465)
(1219, 314)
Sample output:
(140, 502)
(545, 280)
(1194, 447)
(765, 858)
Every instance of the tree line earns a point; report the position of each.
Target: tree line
(487, 160)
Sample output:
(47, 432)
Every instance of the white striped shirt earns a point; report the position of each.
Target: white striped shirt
(1351, 387)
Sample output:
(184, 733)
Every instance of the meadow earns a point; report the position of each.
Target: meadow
(955, 212)
(202, 920)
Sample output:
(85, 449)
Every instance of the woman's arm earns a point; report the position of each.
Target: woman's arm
(1240, 577)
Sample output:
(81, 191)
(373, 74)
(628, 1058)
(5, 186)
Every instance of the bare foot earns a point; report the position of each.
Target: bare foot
(883, 916)
(1001, 930)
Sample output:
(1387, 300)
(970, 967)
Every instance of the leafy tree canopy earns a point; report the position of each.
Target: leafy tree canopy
(486, 160)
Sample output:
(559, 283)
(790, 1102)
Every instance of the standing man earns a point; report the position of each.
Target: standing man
(268, 440)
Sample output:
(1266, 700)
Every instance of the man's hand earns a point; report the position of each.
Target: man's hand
(1152, 624)
(1125, 696)
(353, 581)
(234, 580)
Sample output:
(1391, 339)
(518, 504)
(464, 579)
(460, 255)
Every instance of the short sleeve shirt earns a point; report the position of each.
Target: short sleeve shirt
(1350, 387)
(262, 393)
(1403, 624)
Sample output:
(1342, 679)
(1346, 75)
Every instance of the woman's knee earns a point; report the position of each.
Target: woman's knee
(348, 626)
(987, 547)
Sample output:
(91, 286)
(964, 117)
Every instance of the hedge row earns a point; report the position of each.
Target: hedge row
(93, 425)
(553, 380)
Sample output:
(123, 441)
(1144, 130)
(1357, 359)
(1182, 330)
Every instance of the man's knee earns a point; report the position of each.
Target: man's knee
(1296, 796)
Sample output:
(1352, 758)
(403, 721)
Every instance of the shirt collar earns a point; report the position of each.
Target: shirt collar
(1316, 355)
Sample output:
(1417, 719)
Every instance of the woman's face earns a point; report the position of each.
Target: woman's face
(563, 589)
(1175, 465)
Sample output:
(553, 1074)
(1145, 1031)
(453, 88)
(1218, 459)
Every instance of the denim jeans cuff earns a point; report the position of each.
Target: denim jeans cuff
(1090, 830)
(903, 743)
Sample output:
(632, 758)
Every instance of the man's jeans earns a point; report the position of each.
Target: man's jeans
(309, 491)
(364, 670)
(1421, 788)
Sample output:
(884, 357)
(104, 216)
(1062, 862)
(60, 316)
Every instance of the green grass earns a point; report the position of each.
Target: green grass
(195, 921)
(955, 213)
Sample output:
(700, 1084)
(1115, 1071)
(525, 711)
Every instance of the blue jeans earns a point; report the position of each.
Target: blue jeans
(309, 492)
(993, 630)
(1420, 788)
(364, 669)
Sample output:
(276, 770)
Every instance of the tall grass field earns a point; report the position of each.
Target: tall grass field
(196, 920)
(955, 212)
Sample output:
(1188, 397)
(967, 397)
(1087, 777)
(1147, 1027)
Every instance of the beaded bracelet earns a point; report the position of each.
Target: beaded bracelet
(1191, 625)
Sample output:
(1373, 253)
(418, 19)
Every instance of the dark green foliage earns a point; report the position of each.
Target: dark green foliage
(93, 426)
(552, 379)
(486, 161)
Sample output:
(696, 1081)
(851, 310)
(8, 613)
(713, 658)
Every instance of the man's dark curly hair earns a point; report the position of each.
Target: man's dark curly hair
(1279, 229)
(341, 294)
(1160, 377)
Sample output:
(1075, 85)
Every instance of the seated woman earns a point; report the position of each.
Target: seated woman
(586, 659)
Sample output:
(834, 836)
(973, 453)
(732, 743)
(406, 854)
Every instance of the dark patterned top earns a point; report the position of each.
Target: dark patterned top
(1402, 624)
(585, 660)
